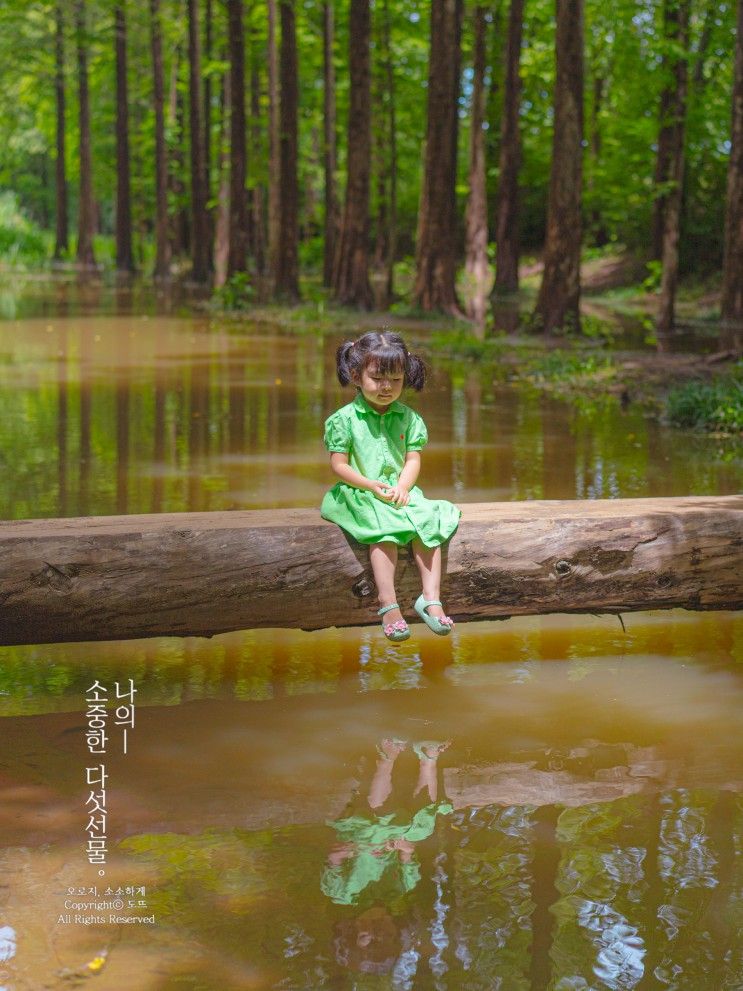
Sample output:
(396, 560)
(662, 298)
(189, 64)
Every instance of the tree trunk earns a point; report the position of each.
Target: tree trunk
(207, 101)
(392, 138)
(664, 152)
(286, 282)
(181, 233)
(200, 248)
(476, 245)
(124, 254)
(507, 201)
(435, 283)
(263, 568)
(274, 164)
(162, 245)
(351, 267)
(257, 225)
(731, 333)
(672, 207)
(238, 214)
(329, 144)
(62, 235)
(86, 206)
(225, 174)
(559, 294)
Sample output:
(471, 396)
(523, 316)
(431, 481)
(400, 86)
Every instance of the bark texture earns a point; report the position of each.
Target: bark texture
(672, 205)
(286, 283)
(329, 143)
(124, 252)
(200, 251)
(238, 213)
(86, 206)
(437, 221)
(351, 267)
(507, 201)
(274, 190)
(62, 233)
(476, 221)
(103, 578)
(731, 335)
(559, 294)
(162, 244)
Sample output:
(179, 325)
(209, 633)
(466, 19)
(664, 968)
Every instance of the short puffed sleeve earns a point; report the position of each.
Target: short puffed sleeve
(338, 433)
(417, 435)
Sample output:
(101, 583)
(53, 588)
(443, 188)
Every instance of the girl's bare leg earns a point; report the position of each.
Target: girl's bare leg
(383, 559)
(428, 560)
(381, 785)
(428, 770)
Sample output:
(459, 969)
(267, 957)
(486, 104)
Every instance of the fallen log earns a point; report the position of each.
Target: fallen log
(197, 574)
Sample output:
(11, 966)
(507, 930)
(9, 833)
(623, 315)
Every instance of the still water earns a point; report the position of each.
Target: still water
(548, 803)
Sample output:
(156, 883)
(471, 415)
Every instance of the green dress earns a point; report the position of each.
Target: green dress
(376, 445)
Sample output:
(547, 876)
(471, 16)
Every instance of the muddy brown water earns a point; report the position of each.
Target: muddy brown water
(561, 809)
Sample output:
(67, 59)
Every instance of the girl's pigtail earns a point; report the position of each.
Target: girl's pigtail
(415, 372)
(343, 365)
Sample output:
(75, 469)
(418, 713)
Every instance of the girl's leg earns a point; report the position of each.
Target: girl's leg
(381, 785)
(383, 559)
(428, 560)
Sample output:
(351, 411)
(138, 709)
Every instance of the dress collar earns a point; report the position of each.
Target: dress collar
(363, 407)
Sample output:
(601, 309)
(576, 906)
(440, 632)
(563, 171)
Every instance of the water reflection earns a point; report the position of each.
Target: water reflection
(581, 830)
(156, 414)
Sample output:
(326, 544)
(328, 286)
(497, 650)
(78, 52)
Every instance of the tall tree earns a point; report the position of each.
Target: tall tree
(329, 144)
(208, 31)
(162, 245)
(238, 213)
(435, 248)
(286, 278)
(351, 267)
(672, 206)
(223, 222)
(476, 229)
(558, 301)
(256, 200)
(124, 254)
(666, 123)
(731, 334)
(507, 202)
(389, 71)
(200, 249)
(274, 167)
(86, 206)
(62, 234)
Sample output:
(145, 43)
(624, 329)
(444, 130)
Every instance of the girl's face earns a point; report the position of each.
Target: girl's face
(380, 389)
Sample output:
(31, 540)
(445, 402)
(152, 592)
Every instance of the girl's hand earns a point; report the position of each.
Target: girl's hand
(398, 494)
(381, 490)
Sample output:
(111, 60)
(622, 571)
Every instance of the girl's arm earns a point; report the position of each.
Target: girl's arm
(341, 467)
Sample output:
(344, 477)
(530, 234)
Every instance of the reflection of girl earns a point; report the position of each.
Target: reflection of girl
(377, 840)
(375, 443)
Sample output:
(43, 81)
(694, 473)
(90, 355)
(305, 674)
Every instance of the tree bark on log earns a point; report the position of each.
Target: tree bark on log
(197, 574)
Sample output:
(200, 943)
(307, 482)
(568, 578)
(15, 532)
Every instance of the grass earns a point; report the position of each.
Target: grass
(715, 405)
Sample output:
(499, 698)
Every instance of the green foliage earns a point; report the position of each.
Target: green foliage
(235, 295)
(21, 241)
(716, 405)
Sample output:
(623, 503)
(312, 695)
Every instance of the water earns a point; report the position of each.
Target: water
(581, 826)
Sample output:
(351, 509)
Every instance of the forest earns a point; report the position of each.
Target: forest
(387, 150)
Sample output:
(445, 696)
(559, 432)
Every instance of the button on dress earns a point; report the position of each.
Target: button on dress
(376, 445)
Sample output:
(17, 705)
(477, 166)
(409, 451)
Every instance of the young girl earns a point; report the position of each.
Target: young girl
(375, 443)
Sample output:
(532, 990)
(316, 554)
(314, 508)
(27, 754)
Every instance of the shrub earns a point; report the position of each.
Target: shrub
(716, 405)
